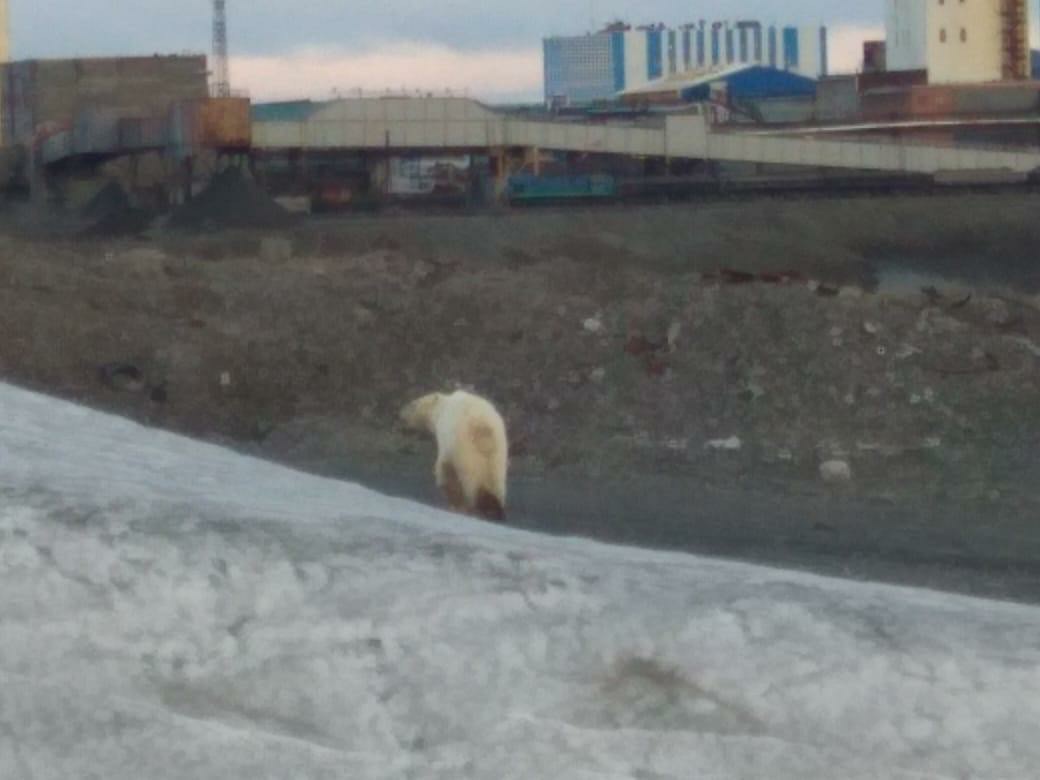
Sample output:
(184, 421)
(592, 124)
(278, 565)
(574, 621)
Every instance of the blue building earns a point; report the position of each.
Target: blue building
(587, 68)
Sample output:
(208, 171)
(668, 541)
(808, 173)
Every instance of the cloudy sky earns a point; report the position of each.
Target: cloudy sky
(492, 49)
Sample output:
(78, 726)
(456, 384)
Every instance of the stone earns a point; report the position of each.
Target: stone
(732, 444)
(935, 322)
(674, 331)
(276, 250)
(363, 315)
(593, 325)
(598, 375)
(835, 472)
(995, 311)
(849, 292)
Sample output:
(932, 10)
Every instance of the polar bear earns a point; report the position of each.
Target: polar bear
(472, 450)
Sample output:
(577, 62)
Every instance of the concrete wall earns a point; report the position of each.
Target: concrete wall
(958, 41)
(57, 92)
(964, 41)
(636, 54)
(906, 30)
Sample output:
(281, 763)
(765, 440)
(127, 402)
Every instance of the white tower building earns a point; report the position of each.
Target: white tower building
(959, 41)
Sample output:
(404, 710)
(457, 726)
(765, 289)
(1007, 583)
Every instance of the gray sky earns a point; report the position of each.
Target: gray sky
(278, 27)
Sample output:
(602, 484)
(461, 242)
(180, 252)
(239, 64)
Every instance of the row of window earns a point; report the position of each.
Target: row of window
(964, 33)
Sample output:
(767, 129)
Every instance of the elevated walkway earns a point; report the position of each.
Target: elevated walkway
(460, 124)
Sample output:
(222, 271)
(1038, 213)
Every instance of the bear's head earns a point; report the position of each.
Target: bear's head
(420, 413)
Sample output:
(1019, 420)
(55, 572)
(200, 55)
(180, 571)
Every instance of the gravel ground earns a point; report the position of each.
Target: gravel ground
(671, 377)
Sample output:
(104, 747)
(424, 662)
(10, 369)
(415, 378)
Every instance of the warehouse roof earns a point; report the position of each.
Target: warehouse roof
(287, 111)
(743, 80)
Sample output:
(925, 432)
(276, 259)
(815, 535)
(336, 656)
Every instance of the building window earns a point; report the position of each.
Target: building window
(964, 34)
(942, 35)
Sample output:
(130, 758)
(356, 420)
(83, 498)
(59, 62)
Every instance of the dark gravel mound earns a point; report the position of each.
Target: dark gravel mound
(232, 200)
(110, 213)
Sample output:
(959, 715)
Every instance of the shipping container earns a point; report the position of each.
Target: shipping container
(932, 101)
(210, 123)
(525, 188)
(226, 123)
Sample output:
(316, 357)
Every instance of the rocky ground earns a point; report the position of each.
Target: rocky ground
(735, 348)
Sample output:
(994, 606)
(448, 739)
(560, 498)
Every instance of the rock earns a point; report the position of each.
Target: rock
(363, 315)
(598, 375)
(122, 376)
(574, 379)
(225, 379)
(995, 311)
(836, 472)
(593, 325)
(851, 293)
(906, 351)
(1027, 343)
(752, 391)
(934, 322)
(276, 250)
(674, 331)
(871, 328)
(732, 444)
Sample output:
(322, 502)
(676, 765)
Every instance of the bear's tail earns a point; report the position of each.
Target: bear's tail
(483, 438)
(489, 506)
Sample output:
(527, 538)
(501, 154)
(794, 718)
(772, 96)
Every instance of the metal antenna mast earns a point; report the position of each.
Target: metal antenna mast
(222, 76)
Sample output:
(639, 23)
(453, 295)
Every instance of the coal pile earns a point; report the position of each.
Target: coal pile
(110, 213)
(232, 200)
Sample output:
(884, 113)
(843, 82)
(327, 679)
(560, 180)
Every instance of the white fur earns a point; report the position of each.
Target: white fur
(481, 462)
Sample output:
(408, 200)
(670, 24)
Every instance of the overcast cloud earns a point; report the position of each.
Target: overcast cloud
(492, 49)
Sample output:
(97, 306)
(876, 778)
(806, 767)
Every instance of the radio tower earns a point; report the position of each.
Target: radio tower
(222, 77)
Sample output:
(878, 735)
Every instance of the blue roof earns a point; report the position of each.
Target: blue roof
(289, 111)
(756, 81)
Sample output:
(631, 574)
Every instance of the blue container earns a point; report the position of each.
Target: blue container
(528, 188)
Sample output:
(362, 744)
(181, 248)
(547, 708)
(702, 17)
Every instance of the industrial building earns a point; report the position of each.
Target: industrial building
(72, 117)
(584, 69)
(959, 41)
(751, 90)
(45, 96)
